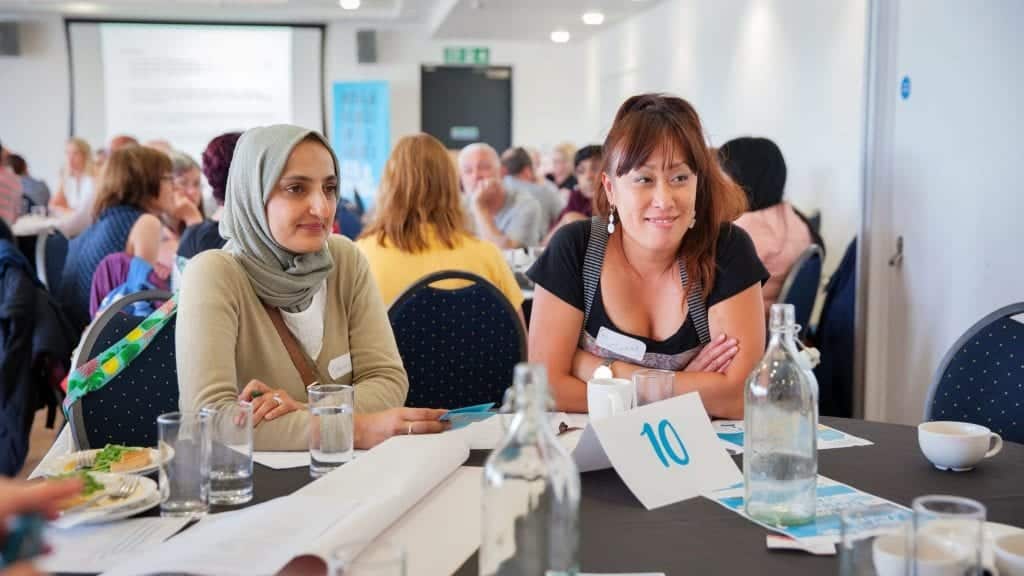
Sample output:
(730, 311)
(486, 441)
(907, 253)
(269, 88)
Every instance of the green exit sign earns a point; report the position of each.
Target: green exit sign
(467, 55)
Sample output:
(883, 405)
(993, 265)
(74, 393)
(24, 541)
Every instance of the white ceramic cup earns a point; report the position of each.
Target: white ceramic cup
(1009, 553)
(889, 553)
(609, 396)
(957, 446)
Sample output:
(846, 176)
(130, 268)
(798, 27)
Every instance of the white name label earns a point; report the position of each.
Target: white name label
(621, 344)
(665, 452)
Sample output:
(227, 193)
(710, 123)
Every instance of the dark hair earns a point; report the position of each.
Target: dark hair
(757, 165)
(217, 161)
(586, 153)
(131, 177)
(515, 160)
(17, 164)
(650, 122)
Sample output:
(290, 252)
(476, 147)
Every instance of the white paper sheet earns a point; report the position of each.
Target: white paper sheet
(730, 432)
(62, 446)
(352, 504)
(456, 505)
(96, 548)
(486, 435)
(284, 460)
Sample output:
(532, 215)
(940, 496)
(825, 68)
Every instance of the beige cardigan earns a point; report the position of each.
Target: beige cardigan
(225, 338)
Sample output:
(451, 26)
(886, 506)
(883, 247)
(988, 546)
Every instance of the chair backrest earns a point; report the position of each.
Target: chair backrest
(802, 284)
(125, 410)
(459, 346)
(51, 252)
(981, 378)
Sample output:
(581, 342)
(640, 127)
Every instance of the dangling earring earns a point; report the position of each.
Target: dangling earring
(693, 223)
(611, 221)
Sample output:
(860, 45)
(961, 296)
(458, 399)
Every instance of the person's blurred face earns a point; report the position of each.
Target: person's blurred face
(560, 165)
(300, 209)
(475, 167)
(75, 157)
(164, 203)
(587, 174)
(189, 185)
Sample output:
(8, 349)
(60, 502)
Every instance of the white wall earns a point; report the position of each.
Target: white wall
(945, 178)
(547, 80)
(790, 70)
(34, 97)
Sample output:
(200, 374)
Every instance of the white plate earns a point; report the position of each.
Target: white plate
(145, 496)
(60, 464)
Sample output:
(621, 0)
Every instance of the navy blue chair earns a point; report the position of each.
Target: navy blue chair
(802, 285)
(459, 346)
(51, 252)
(834, 338)
(981, 378)
(125, 410)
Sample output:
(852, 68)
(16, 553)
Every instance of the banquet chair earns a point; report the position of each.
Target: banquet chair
(802, 285)
(125, 410)
(459, 345)
(51, 252)
(981, 378)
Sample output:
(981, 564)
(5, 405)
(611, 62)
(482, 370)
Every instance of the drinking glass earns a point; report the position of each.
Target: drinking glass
(873, 540)
(230, 453)
(331, 427)
(652, 385)
(184, 478)
(948, 532)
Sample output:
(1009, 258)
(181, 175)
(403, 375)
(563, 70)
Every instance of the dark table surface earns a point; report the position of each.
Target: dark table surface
(617, 534)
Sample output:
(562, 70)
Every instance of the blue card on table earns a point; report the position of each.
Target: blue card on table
(468, 414)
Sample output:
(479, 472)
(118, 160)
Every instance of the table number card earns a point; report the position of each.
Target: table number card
(665, 452)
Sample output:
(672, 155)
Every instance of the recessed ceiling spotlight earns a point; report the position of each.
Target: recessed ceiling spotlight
(349, 4)
(560, 36)
(593, 18)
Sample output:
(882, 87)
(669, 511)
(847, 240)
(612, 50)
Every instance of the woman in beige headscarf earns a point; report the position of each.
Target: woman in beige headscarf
(285, 303)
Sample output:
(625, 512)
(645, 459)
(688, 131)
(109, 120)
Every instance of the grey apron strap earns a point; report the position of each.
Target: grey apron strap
(592, 262)
(695, 305)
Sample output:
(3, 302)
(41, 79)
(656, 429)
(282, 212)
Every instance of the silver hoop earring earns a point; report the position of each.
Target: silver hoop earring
(611, 221)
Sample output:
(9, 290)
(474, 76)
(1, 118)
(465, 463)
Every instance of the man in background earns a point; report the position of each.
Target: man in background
(37, 192)
(521, 177)
(505, 217)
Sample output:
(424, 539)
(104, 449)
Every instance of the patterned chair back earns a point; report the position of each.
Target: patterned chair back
(803, 284)
(125, 410)
(460, 345)
(981, 379)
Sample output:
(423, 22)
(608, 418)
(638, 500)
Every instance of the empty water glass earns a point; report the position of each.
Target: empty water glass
(230, 453)
(873, 540)
(331, 427)
(369, 559)
(652, 385)
(184, 443)
(948, 536)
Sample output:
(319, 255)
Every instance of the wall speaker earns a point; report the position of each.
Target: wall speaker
(366, 46)
(9, 45)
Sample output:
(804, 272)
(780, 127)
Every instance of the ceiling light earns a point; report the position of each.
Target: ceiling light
(349, 4)
(560, 36)
(593, 18)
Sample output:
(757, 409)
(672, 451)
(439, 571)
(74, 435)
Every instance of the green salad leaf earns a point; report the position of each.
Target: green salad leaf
(110, 454)
(90, 485)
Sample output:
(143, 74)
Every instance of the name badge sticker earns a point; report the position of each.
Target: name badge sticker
(340, 366)
(621, 344)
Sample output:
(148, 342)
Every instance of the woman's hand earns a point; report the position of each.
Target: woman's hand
(372, 429)
(268, 403)
(185, 210)
(42, 497)
(715, 357)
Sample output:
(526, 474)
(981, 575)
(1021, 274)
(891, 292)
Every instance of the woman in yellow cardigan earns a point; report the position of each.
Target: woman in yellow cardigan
(285, 303)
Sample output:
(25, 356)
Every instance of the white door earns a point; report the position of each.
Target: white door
(945, 174)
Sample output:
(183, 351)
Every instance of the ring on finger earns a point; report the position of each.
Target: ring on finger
(409, 429)
(277, 398)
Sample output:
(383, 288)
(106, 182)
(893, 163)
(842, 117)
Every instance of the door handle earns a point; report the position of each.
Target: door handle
(897, 259)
